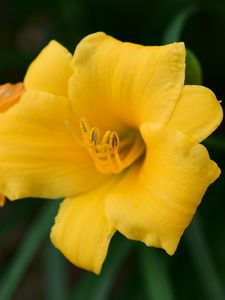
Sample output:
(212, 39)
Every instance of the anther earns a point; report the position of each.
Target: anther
(84, 125)
(114, 140)
(106, 138)
(94, 137)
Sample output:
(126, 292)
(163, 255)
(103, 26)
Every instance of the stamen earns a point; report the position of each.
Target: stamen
(106, 138)
(84, 125)
(69, 128)
(114, 140)
(105, 151)
(95, 136)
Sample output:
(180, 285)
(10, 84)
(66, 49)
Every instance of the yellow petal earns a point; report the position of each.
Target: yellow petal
(116, 82)
(81, 231)
(50, 71)
(10, 95)
(198, 113)
(38, 155)
(156, 201)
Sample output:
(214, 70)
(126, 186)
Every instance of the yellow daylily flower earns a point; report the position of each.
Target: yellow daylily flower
(9, 95)
(116, 132)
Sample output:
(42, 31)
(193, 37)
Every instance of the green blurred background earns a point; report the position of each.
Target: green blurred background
(30, 268)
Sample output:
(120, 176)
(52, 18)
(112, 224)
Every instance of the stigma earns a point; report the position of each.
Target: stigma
(108, 153)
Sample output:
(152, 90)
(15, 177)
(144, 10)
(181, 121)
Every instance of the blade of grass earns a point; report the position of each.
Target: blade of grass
(26, 251)
(203, 261)
(130, 284)
(98, 287)
(114, 261)
(175, 28)
(155, 274)
(83, 287)
(55, 274)
(193, 71)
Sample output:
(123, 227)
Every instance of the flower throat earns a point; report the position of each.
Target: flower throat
(109, 154)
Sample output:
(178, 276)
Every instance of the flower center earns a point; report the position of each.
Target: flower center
(110, 155)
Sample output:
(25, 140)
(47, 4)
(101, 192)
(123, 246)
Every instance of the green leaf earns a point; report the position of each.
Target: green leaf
(83, 287)
(203, 261)
(114, 260)
(99, 287)
(193, 72)
(25, 252)
(174, 30)
(155, 274)
(55, 274)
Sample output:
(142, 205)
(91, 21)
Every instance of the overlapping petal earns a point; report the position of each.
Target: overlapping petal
(10, 95)
(81, 231)
(198, 113)
(117, 83)
(156, 201)
(50, 71)
(38, 155)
